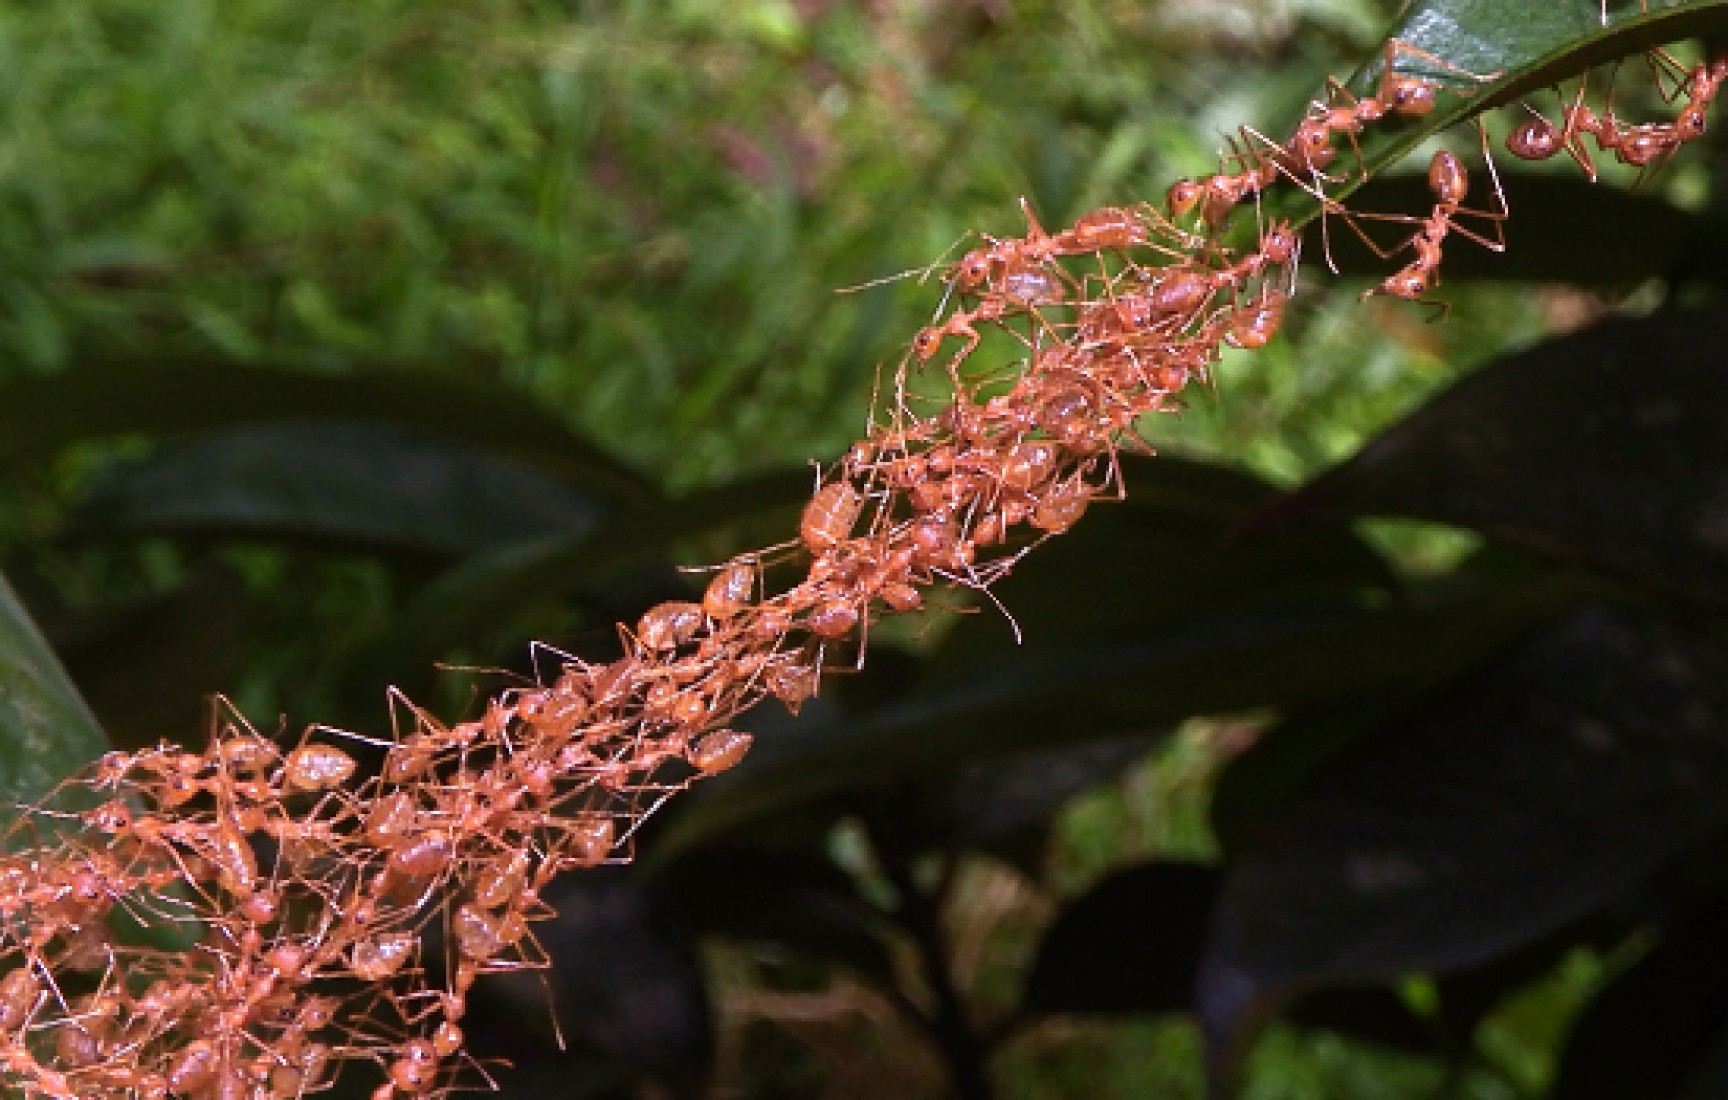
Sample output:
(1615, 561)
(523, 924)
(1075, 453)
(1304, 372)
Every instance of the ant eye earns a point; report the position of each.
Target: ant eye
(1414, 98)
(974, 269)
(1182, 196)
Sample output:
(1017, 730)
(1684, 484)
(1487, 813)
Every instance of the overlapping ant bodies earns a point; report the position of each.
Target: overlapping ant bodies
(1641, 145)
(1304, 157)
(314, 888)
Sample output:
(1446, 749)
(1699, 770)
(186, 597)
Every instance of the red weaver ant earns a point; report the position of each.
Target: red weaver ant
(1449, 183)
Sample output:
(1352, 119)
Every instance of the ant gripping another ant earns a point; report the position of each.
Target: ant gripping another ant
(1310, 150)
(1643, 146)
(1016, 277)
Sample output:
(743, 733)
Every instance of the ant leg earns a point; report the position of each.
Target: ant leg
(1415, 96)
(923, 273)
(1662, 63)
(1034, 229)
(1442, 308)
(536, 649)
(972, 339)
(973, 581)
(1572, 130)
(1352, 218)
(1336, 90)
(1496, 217)
(1397, 46)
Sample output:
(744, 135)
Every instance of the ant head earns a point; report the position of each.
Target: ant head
(974, 269)
(1313, 138)
(1182, 197)
(1278, 244)
(1409, 96)
(924, 344)
(1408, 285)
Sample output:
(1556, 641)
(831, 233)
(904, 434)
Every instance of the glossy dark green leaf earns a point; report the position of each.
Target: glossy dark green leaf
(1233, 660)
(1527, 795)
(100, 399)
(1274, 769)
(1604, 448)
(999, 803)
(1485, 53)
(46, 730)
(995, 800)
(1169, 552)
(1258, 782)
(1132, 943)
(502, 581)
(370, 485)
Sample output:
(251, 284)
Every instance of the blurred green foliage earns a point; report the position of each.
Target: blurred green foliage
(640, 214)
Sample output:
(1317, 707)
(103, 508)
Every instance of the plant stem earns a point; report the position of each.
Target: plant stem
(920, 915)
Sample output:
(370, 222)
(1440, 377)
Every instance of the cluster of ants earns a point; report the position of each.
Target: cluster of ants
(247, 920)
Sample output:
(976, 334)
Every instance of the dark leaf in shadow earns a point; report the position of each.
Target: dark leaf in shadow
(1604, 448)
(1524, 797)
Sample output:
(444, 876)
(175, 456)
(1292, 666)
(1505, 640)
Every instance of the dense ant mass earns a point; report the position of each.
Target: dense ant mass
(317, 890)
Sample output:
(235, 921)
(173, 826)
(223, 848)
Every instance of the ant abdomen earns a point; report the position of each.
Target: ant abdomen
(830, 515)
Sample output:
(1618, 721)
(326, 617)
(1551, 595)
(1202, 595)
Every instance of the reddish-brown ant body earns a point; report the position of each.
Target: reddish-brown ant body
(1449, 183)
(1640, 145)
(301, 873)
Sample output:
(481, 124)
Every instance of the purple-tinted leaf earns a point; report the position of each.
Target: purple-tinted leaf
(1606, 448)
(1521, 798)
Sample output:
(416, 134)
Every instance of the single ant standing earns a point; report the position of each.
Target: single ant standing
(1449, 183)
